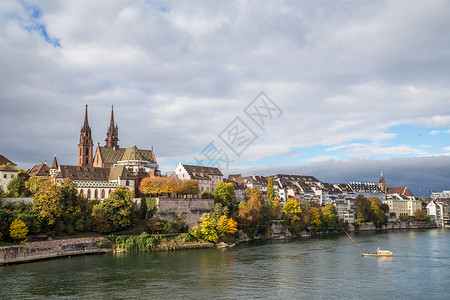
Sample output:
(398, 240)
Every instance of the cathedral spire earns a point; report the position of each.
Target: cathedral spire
(112, 135)
(86, 144)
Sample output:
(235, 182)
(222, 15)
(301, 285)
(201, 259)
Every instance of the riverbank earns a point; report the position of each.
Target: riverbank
(36, 251)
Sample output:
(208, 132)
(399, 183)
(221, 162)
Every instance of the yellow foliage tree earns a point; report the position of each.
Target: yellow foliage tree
(18, 230)
(293, 211)
(315, 218)
(47, 200)
(153, 185)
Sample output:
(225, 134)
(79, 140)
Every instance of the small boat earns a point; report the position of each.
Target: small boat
(378, 253)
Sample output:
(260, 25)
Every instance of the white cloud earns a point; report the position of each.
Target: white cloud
(435, 132)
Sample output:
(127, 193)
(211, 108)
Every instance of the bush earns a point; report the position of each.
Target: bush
(18, 230)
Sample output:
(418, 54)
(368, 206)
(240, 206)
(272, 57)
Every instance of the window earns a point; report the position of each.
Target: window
(103, 194)
(89, 194)
(82, 192)
(86, 160)
(87, 151)
(4, 176)
(96, 194)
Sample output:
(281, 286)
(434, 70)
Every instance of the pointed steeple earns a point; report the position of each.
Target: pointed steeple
(112, 135)
(86, 144)
(54, 163)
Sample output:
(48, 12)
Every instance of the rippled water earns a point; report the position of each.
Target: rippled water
(317, 268)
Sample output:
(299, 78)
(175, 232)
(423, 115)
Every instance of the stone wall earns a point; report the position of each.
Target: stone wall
(369, 226)
(16, 199)
(51, 249)
(192, 209)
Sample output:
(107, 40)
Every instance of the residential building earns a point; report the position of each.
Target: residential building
(41, 171)
(434, 211)
(440, 195)
(206, 177)
(7, 173)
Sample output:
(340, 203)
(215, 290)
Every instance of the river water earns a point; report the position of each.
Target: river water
(315, 268)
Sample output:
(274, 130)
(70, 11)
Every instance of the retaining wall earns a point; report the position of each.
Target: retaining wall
(52, 249)
(192, 209)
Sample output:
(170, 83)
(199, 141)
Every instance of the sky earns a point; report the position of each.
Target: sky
(340, 90)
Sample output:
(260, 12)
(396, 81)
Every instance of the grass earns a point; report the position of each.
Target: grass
(4, 243)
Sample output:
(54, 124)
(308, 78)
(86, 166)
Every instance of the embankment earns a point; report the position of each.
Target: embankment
(35, 251)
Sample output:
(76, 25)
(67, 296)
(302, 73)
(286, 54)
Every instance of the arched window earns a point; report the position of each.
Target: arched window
(103, 194)
(87, 151)
(109, 192)
(89, 194)
(127, 183)
(96, 194)
(87, 160)
(82, 192)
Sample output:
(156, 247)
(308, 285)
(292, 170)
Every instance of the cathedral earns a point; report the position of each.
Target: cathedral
(97, 174)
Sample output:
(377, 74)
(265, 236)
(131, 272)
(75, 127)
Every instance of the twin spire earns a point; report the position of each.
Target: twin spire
(112, 135)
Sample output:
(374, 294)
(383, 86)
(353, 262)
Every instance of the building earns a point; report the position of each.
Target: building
(41, 171)
(440, 195)
(96, 183)
(402, 206)
(7, 173)
(86, 145)
(206, 177)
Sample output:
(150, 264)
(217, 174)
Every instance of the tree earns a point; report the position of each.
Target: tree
(16, 187)
(154, 224)
(315, 222)
(378, 215)
(276, 209)
(215, 226)
(178, 221)
(18, 230)
(190, 187)
(363, 209)
(153, 185)
(207, 195)
(224, 194)
(251, 213)
(270, 191)
(2, 192)
(404, 218)
(328, 216)
(47, 201)
(143, 209)
(102, 223)
(420, 215)
(33, 184)
(119, 208)
(292, 211)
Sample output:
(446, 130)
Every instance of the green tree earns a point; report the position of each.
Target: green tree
(224, 194)
(33, 184)
(270, 191)
(143, 209)
(101, 221)
(154, 224)
(18, 230)
(2, 192)
(404, 218)
(420, 215)
(328, 216)
(119, 208)
(363, 209)
(178, 221)
(16, 187)
(207, 195)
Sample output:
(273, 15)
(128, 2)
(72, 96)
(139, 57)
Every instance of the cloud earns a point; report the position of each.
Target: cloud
(435, 132)
(344, 75)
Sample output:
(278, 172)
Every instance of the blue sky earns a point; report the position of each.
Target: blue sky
(356, 86)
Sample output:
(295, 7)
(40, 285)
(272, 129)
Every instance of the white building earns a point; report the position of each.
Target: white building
(403, 206)
(206, 177)
(7, 172)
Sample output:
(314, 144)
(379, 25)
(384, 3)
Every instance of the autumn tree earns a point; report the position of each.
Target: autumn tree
(292, 212)
(190, 187)
(18, 230)
(33, 184)
(377, 213)
(276, 209)
(328, 216)
(153, 185)
(315, 221)
(420, 215)
(251, 213)
(224, 194)
(47, 201)
(270, 191)
(215, 226)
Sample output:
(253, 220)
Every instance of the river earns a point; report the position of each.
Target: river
(316, 268)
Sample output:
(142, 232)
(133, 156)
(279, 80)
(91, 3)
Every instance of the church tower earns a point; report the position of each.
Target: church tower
(112, 135)
(382, 183)
(86, 145)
